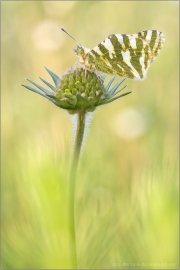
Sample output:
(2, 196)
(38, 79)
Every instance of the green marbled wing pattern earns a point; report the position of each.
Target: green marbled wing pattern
(128, 56)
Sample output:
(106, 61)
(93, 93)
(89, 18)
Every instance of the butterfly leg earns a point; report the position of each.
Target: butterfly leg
(86, 68)
(85, 71)
(76, 63)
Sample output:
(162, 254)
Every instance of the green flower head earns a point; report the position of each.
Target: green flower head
(78, 90)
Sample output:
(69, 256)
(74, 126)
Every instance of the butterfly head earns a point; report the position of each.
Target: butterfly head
(80, 50)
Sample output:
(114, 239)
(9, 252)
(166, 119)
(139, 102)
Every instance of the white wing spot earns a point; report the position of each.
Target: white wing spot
(126, 58)
(142, 33)
(149, 34)
(108, 64)
(120, 38)
(141, 60)
(133, 42)
(92, 55)
(96, 49)
(111, 54)
(108, 45)
(126, 55)
(156, 42)
(162, 38)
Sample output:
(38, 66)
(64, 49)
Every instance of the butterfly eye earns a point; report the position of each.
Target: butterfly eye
(79, 50)
(76, 50)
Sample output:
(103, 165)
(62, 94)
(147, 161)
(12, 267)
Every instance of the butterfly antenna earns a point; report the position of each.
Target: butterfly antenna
(64, 30)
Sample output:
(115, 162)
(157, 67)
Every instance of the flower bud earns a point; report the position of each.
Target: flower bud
(79, 89)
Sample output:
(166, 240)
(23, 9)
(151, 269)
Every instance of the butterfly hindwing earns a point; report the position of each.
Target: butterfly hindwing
(127, 55)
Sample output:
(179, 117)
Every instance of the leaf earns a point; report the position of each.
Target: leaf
(47, 92)
(55, 77)
(33, 90)
(111, 100)
(71, 100)
(48, 84)
(65, 104)
(115, 87)
(109, 83)
(120, 90)
(95, 100)
(82, 102)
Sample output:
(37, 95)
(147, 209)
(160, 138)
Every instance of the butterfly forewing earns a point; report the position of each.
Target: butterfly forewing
(127, 55)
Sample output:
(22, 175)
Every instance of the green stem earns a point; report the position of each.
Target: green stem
(77, 148)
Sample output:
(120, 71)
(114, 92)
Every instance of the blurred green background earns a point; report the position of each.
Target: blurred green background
(127, 187)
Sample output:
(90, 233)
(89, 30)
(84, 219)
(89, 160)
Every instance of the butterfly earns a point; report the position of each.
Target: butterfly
(128, 56)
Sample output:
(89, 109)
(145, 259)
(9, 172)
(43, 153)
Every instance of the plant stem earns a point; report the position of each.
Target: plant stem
(76, 153)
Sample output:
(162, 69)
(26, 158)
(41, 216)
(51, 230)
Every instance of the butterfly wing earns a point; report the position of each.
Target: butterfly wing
(128, 56)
